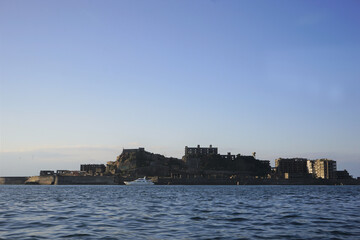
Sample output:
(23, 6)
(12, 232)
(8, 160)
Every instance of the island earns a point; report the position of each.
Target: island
(198, 166)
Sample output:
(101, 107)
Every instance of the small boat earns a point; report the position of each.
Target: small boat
(140, 181)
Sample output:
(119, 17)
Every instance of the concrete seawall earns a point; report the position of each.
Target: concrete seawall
(112, 180)
(12, 180)
(58, 180)
(205, 181)
(84, 180)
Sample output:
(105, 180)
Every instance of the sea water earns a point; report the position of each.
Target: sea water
(179, 212)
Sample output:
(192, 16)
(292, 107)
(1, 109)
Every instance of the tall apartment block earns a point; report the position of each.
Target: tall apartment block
(322, 168)
(291, 167)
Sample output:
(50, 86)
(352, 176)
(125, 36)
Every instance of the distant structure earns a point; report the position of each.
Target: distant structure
(140, 149)
(311, 167)
(322, 168)
(228, 156)
(291, 167)
(304, 168)
(200, 151)
(47, 173)
(207, 160)
(70, 173)
(93, 169)
(343, 174)
(206, 151)
(199, 165)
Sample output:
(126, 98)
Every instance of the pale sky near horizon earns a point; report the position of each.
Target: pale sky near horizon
(80, 80)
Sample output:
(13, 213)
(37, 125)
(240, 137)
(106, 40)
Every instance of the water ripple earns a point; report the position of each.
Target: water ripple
(179, 212)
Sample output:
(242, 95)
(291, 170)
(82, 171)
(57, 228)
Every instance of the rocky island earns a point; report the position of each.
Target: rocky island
(198, 166)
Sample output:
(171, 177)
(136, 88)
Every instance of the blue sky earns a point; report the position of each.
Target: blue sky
(80, 80)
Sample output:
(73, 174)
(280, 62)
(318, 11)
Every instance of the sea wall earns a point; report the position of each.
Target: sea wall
(41, 180)
(111, 180)
(84, 180)
(227, 181)
(13, 180)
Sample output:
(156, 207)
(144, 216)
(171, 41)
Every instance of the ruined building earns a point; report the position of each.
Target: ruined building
(93, 169)
(322, 168)
(202, 160)
(304, 168)
(291, 167)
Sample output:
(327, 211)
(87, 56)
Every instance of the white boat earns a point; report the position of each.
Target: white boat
(140, 181)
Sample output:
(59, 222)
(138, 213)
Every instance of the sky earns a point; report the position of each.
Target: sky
(81, 80)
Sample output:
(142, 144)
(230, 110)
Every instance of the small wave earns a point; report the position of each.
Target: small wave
(114, 212)
(342, 233)
(238, 219)
(197, 218)
(76, 235)
(290, 216)
(296, 223)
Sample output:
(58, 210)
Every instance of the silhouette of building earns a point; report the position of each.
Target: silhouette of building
(70, 173)
(140, 149)
(343, 175)
(200, 151)
(291, 167)
(93, 169)
(47, 173)
(228, 156)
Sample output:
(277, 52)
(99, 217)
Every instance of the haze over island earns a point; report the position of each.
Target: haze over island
(81, 80)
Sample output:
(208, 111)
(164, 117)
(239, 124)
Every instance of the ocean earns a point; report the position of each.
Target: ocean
(179, 212)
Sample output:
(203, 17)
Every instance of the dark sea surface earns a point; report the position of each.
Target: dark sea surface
(179, 212)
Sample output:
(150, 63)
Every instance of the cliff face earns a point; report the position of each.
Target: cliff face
(142, 163)
(139, 163)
